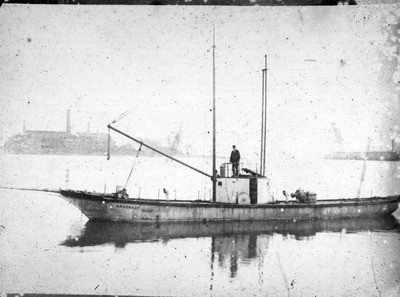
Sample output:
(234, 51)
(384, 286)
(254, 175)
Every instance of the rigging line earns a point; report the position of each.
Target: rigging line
(124, 114)
(108, 145)
(133, 166)
(158, 90)
(203, 161)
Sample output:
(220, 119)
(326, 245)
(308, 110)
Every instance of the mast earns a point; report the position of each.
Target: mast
(214, 177)
(262, 126)
(264, 119)
(265, 116)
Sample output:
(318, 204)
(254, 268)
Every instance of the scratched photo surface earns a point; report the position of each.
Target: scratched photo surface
(333, 85)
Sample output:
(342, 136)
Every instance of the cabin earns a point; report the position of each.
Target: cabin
(242, 189)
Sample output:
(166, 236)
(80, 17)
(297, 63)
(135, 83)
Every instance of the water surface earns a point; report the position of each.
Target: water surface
(49, 247)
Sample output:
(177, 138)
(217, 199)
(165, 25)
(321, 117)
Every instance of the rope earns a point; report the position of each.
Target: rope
(204, 161)
(133, 166)
(109, 145)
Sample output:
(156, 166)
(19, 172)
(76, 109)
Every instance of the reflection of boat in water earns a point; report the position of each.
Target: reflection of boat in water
(119, 233)
(232, 244)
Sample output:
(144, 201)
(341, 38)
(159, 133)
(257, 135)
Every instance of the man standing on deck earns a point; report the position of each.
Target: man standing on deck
(235, 158)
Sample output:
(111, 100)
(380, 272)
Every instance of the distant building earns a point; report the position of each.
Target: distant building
(58, 142)
(68, 143)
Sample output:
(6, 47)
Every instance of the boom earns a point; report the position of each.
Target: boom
(156, 150)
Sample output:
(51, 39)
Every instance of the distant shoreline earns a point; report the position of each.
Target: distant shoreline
(112, 155)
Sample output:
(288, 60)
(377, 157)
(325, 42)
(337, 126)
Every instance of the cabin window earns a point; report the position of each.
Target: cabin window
(219, 183)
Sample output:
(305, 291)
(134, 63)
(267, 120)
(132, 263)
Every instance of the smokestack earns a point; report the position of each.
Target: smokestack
(88, 128)
(68, 130)
(23, 128)
(393, 145)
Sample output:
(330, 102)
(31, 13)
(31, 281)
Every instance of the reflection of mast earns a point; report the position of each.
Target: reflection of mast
(252, 247)
(234, 264)
(212, 261)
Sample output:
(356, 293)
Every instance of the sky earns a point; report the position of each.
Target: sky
(325, 65)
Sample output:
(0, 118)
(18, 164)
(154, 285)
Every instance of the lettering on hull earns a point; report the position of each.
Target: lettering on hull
(128, 206)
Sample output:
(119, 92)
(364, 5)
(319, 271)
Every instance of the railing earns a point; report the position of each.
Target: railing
(225, 170)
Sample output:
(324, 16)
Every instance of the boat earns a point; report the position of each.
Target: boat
(109, 207)
(239, 197)
(370, 156)
(367, 155)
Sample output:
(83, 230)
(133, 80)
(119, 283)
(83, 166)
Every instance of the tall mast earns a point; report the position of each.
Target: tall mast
(262, 125)
(265, 116)
(214, 177)
(264, 119)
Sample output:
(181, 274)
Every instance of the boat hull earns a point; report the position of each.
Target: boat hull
(106, 207)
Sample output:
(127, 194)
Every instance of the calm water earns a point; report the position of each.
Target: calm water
(47, 246)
